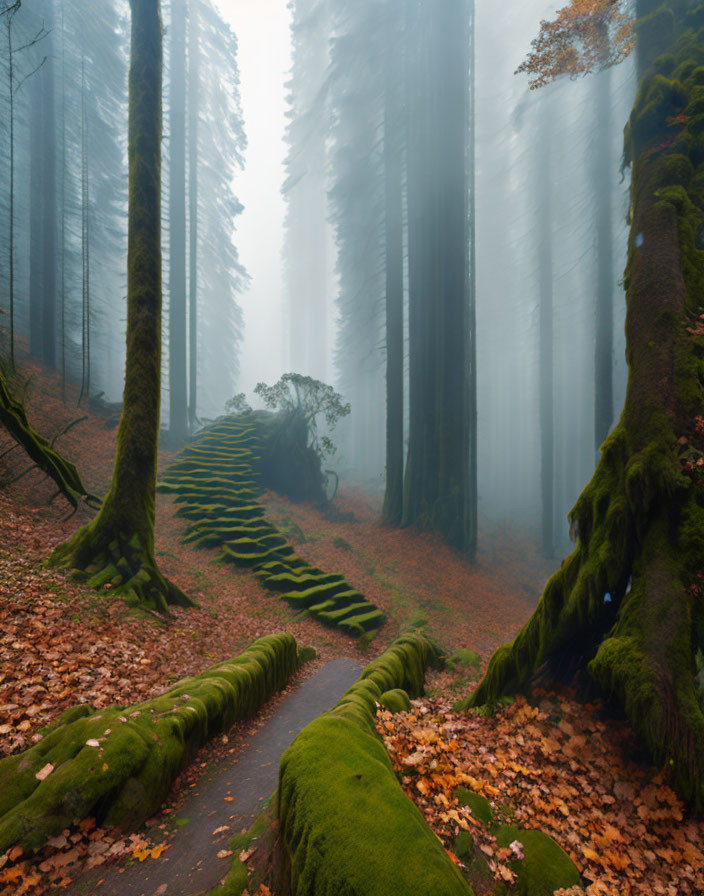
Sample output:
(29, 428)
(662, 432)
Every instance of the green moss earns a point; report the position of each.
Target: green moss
(119, 763)
(479, 805)
(395, 701)
(545, 868)
(345, 824)
(465, 659)
(219, 497)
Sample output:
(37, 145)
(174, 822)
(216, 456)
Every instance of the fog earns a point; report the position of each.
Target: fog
(294, 121)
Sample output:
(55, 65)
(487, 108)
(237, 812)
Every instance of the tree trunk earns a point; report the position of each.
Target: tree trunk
(47, 82)
(393, 176)
(628, 603)
(193, 85)
(178, 397)
(438, 483)
(604, 316)
(117, 548)
(42, 288)
(547, 367)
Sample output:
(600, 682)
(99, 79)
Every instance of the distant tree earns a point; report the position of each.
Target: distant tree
(117, 547)
(193, 128)
(307, 230)
(602, 163)
(178, 395)
(544, 202)
(440, 477)
(8, 12)
(394, 134)
(221, 142)
(43, 197)
(355, 96)
(626, 606)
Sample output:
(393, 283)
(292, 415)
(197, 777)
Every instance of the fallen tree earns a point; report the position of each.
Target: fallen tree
(13, 416)
(117, 764)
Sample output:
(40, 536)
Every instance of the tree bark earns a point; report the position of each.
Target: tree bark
(546, 311)
(193, 90)
(627, 605)
(117, 547)
(393, 176)
(438, 484)
(178, 397)
(604, 312)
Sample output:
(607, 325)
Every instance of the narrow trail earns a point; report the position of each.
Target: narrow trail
(190, 866)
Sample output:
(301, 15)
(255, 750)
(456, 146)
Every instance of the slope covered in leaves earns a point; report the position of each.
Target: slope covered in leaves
(558, 766)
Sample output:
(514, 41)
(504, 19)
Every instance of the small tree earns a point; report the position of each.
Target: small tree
(295, 449)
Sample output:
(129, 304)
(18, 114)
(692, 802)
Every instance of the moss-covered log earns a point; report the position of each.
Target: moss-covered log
(628, 604)
(345, 824)
(117, 547)
(13, 416)
(117, 764)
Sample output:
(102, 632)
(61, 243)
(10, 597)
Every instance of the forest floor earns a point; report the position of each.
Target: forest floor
(553, 763)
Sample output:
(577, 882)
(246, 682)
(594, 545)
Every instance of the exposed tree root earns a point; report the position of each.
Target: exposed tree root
(122, 566)
(14, 417)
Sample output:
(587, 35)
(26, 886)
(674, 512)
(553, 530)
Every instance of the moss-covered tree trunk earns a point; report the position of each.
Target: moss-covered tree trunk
(628, 604)
(117, 548)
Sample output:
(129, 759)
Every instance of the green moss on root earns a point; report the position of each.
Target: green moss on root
(140, 750)
(345, 824)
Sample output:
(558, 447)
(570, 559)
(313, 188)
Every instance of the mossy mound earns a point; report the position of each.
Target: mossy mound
(345, 824)
(395, 701)
(217, 480)
(117, 764)
(545, 866)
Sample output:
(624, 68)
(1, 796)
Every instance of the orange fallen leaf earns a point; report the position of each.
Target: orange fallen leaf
(44, 772)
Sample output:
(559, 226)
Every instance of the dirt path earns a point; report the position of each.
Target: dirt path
(190, 866)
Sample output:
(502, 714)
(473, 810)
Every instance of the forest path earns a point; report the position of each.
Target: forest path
(228, 794)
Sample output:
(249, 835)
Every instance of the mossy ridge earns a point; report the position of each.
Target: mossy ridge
(345, 824)
(640, 521)
(214, 481)
(141, 749)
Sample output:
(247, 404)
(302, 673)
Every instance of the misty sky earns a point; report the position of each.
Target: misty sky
(262, 27)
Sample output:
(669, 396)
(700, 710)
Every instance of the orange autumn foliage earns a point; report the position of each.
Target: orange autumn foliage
(586, 36)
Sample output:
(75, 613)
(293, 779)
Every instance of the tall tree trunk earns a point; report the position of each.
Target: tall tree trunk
(393, 176)
(178, 396)
(438, 483)
(117, 548)
(193, 87)
(49, 213)
(546, 351)
(62, 288)
(37, 181)
(421, 470)
(42, 286)
(640, 521)
(10, 13)
(473, 416)
(604, 312)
